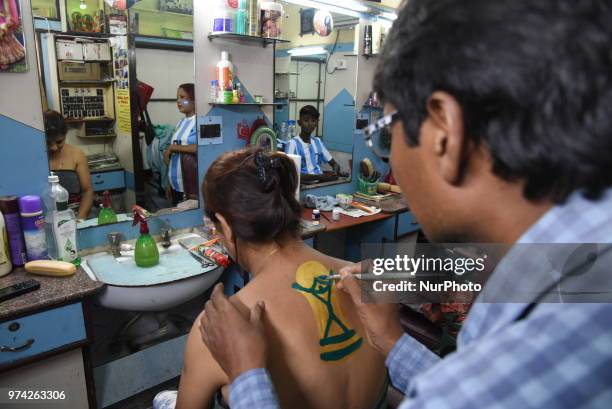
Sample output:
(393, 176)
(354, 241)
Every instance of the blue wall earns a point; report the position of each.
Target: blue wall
(23, 159)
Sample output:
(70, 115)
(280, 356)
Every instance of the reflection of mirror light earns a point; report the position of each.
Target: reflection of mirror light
(82, 5)
(389, 16)
(351, 8)
(304, 51)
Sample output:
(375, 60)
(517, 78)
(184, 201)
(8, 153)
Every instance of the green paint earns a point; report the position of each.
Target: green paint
(321, 289)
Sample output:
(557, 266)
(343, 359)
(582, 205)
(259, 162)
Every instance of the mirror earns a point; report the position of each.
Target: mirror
(317, 75)
(122, 81)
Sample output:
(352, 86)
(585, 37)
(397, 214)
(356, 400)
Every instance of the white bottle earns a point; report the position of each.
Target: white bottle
(5, 261)
(60, 223)
(225, 72)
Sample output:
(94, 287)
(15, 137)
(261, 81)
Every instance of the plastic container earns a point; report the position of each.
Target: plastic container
(146, 253)
(223, 17)
(5, 260)
(316, 216)
(242, 18)
(367, 188)
(254, 17)
(107, 215)
(336, 213)
(60, 223)
(225, 72)
(271, 19)
(214, 91)
(33, 223)
(9, 206)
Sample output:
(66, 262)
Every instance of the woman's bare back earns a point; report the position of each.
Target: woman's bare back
(317, 356)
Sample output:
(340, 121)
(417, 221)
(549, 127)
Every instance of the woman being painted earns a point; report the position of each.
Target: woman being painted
(318, 357)
(181, 155)
(69, 163)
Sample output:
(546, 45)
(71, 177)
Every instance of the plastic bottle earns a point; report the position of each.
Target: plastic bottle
(107, 215)
(146, 253)
(242, 18)
(254, 18)
(214, 92)
(225, 72)
(5, 260)
(33, 223)
(9, 206)
(223, 17)
(53, 194)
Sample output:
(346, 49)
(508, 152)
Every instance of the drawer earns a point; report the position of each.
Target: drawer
(42, 332)
(406, 223)
(108, 181)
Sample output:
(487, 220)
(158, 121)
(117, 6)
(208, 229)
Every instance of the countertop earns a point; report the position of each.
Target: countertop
(52, 291)
(345, 221)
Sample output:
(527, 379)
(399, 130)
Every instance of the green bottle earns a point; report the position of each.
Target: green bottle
(107, 214)
(146, 253)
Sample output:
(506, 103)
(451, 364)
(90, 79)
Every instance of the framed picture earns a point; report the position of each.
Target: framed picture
(307, 21)
(12, 39)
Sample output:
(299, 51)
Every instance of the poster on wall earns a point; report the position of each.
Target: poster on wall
(12, 38)
(122, 84)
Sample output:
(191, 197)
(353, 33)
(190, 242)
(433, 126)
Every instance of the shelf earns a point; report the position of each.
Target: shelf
(243, 103)
(170, 13)
(246, 38)
(87, 81)
(76, 120)
(286, 73)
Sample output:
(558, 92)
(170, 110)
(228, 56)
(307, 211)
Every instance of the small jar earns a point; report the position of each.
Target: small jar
(316, 216)
(336, 214)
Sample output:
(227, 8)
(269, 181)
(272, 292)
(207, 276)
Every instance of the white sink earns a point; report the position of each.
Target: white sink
(159, 297)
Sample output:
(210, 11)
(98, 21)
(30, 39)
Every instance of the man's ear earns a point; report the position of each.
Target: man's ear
(226, 230)
(450, 143)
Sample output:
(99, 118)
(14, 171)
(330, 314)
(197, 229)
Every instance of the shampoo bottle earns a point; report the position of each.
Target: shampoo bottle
(5, 261)
(225, 72)
(9, 206)
(107, 214)
(146, 253)
(33, 222)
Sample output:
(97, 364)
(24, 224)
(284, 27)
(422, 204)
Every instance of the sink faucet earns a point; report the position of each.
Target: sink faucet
(165, 231)
(114, 240)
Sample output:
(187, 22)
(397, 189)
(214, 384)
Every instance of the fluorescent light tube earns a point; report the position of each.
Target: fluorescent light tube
(304, 51)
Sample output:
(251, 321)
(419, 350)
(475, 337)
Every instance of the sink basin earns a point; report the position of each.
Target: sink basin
(172, 290)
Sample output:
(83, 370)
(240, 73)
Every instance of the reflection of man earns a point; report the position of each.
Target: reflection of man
(311, 149)
(501, 134)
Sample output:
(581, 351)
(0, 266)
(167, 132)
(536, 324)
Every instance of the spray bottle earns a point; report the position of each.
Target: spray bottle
(146, 253)
(107, 214)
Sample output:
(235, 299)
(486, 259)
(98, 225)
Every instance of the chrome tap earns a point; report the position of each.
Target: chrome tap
(114, 241)
(165, 233)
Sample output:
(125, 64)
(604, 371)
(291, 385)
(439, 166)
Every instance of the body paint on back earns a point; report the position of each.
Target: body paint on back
(336, 339)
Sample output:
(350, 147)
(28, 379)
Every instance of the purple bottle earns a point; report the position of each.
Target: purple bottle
(9, 207)
(33, 224)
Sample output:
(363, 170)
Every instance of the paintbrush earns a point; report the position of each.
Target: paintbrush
(388, 276)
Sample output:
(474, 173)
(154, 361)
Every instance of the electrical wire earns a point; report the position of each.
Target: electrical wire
(331, 53)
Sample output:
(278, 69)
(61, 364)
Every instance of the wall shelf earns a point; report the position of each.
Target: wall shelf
(246, 38)
(170, 13)
(243, 103)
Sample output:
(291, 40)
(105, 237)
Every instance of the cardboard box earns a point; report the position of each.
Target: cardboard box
(74, 71)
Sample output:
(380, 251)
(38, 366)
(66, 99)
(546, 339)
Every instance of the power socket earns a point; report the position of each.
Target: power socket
(341, 65)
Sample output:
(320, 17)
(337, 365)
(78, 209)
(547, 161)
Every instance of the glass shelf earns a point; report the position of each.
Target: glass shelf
(246, 38)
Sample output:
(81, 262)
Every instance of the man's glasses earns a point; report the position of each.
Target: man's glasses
(378, 135)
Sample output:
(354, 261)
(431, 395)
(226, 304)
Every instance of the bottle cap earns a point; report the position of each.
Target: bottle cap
(9, 204)
(53, 178)
(224, 55)
(316, 211)
(30, 204)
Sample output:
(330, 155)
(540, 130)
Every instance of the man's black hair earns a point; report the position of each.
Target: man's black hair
(55, 126)
(533, 78)
(310, 112)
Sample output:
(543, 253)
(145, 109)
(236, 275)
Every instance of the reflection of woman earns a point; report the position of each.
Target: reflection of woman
(250, 196)
(181, 155)
(69, 163)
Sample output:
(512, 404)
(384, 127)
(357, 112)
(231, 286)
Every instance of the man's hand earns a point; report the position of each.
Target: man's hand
(380, 321)
(237, 342)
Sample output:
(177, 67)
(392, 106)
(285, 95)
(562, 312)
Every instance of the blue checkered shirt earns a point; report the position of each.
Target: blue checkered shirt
(560, 356)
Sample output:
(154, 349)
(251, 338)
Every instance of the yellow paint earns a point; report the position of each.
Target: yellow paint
(336, 339)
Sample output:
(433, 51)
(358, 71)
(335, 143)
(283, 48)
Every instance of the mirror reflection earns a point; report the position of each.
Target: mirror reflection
(315, 88)
(119, 99)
